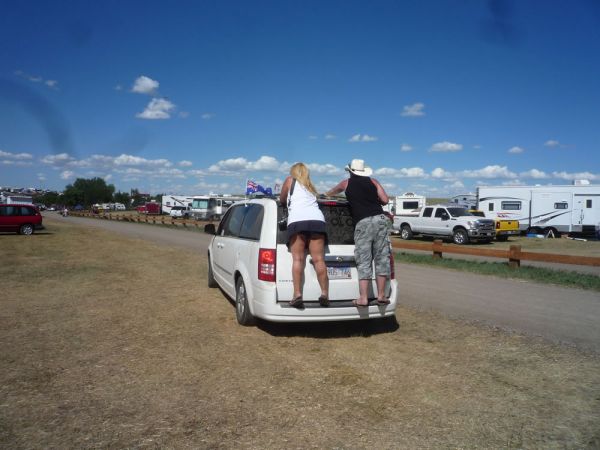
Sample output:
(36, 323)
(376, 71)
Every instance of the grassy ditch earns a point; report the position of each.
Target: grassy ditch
(500, 269)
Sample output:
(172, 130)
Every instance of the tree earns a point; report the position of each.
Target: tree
(86, 192)
(122, 197)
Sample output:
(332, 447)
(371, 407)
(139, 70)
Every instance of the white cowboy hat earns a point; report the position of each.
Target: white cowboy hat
(357, 167)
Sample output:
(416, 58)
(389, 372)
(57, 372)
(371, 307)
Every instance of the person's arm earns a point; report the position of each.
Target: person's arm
(341, 187)
(285, 189)
(383, 197)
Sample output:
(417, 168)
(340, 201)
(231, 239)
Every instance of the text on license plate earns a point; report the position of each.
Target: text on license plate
(337, 273)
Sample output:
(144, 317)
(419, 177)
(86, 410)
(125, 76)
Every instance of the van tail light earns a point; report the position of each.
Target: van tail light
(267, 259)
(497, 225)
(392, 270)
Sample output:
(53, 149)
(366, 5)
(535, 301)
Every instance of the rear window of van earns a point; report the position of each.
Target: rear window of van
(340, 226)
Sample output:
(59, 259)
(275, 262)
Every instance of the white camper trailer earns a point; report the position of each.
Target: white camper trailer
(541, 209)
(409, 204)
(211, 207)
(168, 201)
(468, 201)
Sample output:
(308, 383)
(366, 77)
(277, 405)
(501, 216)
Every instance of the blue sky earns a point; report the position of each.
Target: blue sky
(191, 97)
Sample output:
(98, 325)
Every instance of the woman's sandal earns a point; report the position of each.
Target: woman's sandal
(323, 301)
(359, 305)
(297, 302)
(383, 301)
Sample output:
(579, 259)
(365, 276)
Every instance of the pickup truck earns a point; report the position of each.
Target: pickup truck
(450, 222)
(504, 227)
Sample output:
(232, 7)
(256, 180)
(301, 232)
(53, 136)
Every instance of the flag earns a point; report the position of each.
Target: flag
(252, 187)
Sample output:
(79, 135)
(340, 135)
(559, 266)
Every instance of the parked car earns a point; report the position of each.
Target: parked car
(249, 260)
(20, 218)
(181, 212)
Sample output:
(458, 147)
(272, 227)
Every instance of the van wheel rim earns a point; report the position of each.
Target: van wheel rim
(27, 229)
(240, 303)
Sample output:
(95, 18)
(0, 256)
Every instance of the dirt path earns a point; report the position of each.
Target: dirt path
(555, 313)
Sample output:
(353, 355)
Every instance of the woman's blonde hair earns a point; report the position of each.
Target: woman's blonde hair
(300, 172)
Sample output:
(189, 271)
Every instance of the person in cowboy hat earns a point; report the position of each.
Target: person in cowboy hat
(371, 233)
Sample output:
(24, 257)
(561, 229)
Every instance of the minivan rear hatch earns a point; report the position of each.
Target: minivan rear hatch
(339, 257)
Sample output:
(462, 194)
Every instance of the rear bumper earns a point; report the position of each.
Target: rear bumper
(313, 312)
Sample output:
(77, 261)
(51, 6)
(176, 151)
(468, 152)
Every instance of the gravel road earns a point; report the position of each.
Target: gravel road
(554, 313)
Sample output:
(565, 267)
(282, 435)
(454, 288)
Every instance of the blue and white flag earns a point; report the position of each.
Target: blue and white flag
(252, 187)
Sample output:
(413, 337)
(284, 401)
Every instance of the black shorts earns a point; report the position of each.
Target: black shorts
(306, 228)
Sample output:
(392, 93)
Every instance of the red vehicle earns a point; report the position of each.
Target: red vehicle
(149, 208)
(20, 218)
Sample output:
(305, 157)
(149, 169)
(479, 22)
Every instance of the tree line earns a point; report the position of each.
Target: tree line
(86, 192)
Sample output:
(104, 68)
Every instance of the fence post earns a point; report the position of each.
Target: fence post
(514, 256)
(437, 249)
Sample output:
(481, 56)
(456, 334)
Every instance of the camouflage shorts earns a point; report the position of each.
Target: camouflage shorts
(372, 243)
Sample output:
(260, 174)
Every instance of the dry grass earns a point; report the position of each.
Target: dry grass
(110, 342)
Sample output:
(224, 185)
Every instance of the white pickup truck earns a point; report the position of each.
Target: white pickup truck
(451, 222)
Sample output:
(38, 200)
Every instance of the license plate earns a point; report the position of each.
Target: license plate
(339, 273)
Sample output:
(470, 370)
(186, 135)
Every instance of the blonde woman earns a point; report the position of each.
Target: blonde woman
(306, 230)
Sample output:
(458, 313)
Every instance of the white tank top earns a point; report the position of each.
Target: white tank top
(303, 205)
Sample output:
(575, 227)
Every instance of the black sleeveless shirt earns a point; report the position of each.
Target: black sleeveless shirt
(362, 196)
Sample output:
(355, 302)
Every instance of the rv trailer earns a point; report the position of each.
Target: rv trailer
(168, 201)
(541, 209)
(211, 207)
(468, 201)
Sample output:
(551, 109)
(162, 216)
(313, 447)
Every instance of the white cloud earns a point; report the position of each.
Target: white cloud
(516, 150)
(129, 160)
(576, 176)
(184, 114)
(324, 169)
(58, 160)
(118, 87)
(41, 176)
(406, 148)
(145, 85)
(208, 116)
(445, 146)
(312, 137)
(185, 163)
(158, 108)
(362, 138)
(52, 84)
(229, 165)
(457, 185)
(438, 172)
(265, 163)
(493, 171)
(534, 173)
(406, 172)
(16, 156)
(330, 136)
(414, 110)
(551, 143)
(67, 174)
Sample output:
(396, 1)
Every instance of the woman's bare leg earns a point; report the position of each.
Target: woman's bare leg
(297, 247)
(316, 247)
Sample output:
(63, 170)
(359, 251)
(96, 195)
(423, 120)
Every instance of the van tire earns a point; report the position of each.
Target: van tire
(406, 233)
(212, 283)
(242, 310)
(460, 236)
(502, 238)
(26, 229)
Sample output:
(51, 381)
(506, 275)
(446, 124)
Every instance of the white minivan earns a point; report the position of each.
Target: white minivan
(249, 260)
